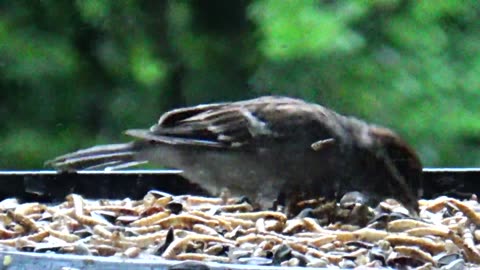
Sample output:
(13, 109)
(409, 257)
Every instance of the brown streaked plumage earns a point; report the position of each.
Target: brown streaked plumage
(268, 146)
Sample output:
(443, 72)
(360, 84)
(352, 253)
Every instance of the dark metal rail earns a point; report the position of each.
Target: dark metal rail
(47, 186)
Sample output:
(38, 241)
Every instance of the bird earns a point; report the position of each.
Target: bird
(267, 148)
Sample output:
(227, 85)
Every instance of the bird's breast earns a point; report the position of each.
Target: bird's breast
(261, 172)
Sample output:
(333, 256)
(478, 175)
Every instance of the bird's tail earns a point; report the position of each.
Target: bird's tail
(108, 157)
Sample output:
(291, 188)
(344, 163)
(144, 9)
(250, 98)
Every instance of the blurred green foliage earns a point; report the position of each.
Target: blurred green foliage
(77, 73)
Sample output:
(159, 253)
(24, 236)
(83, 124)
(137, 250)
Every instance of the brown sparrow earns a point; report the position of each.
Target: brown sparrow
(266, 147)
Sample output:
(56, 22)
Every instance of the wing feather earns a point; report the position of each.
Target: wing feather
(226, 125)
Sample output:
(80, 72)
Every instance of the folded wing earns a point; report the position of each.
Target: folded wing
(225, 125)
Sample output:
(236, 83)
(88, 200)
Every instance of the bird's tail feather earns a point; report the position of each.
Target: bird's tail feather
(110, 157)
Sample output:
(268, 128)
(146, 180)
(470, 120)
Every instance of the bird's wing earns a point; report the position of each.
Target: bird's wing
(225, 125)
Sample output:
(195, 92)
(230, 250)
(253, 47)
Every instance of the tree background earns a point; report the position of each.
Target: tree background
(78, 73)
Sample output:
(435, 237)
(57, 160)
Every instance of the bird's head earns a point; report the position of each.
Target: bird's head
(376, 161)
(396, 165)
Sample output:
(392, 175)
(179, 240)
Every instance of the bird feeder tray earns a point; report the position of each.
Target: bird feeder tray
(51, 187)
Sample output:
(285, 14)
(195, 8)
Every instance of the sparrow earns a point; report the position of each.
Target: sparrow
(268, 148)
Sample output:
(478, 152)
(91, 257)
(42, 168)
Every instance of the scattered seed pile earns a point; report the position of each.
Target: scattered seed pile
(227, 230)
